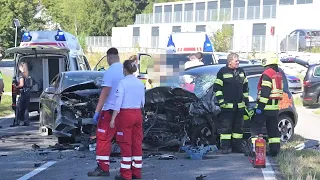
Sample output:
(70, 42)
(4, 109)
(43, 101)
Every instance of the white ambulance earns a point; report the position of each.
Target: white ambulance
(47, 53)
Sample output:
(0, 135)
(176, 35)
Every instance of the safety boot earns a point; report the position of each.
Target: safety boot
(134, 177)
(98, 172)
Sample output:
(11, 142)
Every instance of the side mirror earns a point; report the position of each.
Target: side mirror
(50, 90)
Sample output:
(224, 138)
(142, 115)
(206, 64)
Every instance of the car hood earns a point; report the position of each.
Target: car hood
(165, 93)
(81, 86)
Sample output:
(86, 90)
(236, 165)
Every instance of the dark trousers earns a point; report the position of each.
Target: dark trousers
(231, 129)
(23, 107)
(271, 121)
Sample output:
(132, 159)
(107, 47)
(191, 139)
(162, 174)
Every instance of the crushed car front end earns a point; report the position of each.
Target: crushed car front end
(75, 109)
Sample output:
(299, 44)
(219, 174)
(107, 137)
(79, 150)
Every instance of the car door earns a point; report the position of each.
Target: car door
(52, 99)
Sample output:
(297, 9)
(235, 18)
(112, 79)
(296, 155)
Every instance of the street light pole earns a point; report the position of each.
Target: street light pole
(16, 37)
(16, 23)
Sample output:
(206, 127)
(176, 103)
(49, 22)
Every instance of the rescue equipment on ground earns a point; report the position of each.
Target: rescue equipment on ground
(256, 151)
(197, 152)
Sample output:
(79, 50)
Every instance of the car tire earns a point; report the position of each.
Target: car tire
(286, 127)
(43, 130)
(204, 134)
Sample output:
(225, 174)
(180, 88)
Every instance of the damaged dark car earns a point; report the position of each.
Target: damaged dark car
(172, 116)
(68, 105)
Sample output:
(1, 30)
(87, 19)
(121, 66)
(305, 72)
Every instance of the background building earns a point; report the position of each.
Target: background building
(258, 25)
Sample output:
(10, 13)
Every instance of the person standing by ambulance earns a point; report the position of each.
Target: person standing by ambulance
(270, 91)
(107, 100)
(127, 118)
(25, 84)
(231, 90)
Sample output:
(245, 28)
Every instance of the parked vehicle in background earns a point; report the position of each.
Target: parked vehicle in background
(294, 84)
(301, 39)
(311, 86)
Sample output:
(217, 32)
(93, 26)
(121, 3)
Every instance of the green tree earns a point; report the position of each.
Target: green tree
(22, 10)
(222, 38)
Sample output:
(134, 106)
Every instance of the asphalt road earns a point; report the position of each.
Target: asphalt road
(19, 160)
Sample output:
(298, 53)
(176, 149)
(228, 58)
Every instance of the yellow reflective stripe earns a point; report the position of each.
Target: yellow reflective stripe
(245, 117)
(228, 105)
(219, 93)
(218, 81)
(241, 105)
(237, 136)
(227, 75)
(221, 101)
(263, 100)
(246, 94)
(274, 140)
(225, 136)
(253, 140)
(245, 81)
(266, 83)
(271, 107)
(241, 75)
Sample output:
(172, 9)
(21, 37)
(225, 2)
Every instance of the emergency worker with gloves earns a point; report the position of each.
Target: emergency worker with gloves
(270, 91)
(231, 90)
(24, 85)
(107, 100)
(127, 119)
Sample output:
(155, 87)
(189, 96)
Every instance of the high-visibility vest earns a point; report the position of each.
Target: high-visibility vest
(276, 86)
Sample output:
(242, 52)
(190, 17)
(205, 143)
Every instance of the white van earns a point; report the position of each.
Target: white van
(47, 53)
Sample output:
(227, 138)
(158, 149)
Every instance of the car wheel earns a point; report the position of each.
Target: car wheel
(286, 128)
(203, 135)
(43, 130)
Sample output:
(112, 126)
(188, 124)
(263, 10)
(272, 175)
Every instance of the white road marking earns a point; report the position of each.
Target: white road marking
(38, 170)
(268, 172)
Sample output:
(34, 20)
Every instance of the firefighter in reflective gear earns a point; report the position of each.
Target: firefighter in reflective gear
(270, 91)
(127, 119)
(231, 90)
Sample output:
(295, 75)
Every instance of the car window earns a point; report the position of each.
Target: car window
(317, 71)
(253, 90)
(82, 64)
(74, 79)
(55, 81)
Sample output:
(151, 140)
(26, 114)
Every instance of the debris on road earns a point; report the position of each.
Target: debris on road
(35, 146)
(201, 177)
(197, 152)
(167, 157)
(310, 144)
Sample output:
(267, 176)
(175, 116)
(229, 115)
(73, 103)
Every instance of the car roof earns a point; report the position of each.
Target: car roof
(86, 72)
(250, 69)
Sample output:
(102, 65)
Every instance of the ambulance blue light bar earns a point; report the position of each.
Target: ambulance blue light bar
(60, 36)
(171, 46)
(26, 37)
(207, 46)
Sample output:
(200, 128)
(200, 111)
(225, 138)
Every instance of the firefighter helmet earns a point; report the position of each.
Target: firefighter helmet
(269, 61)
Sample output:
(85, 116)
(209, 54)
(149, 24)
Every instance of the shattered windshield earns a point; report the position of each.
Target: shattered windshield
(198, 84)
(74, 79)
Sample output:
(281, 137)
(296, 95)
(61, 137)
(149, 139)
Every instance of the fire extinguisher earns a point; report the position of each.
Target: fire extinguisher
(260, 152)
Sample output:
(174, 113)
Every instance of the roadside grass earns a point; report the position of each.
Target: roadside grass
(316, 111)
(299, 165)
(7, 80)
(297, 101)
(5, 106)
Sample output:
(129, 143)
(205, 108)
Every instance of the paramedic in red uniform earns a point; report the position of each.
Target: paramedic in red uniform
(127, 118)
(107, 99)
